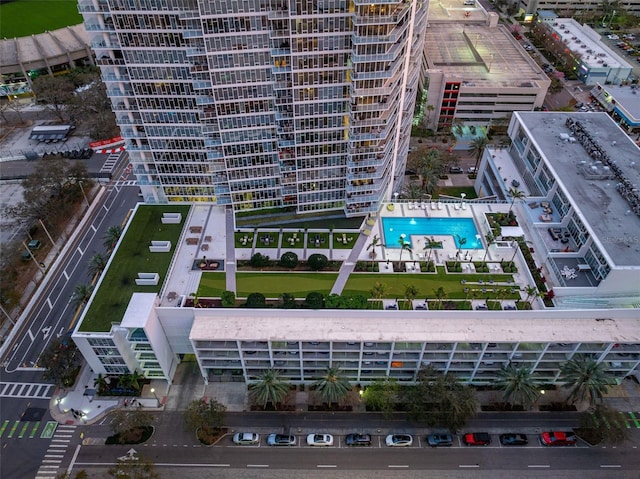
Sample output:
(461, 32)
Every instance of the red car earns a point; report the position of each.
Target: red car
(558, 438)
(477, 439)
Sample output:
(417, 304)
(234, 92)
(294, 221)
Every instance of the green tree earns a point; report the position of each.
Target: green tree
(314, 300)
(317, 262)
(112, 236)
(205, 414)
(430, 244)
(381, 396)
(587, 379)
(131, 380)
(440, 295)
(289, 260)
(287, 301)
(378, 291)
(129, 424)
(518, 385)
(256, 300)
(375, 241)
(478, 145)
(228, 299)
(440, 400)
(411, 292)
(332, 387)
(515, 194)
(404, 246)
(461, 242)
(81, 295)
(101, 383)
(604, 424)
(97, 264)
(62, 362)
(259, 260)
(271, 387)
(531, 292)
(490, 239)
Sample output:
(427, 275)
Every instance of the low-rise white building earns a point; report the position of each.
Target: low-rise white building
(622, 102)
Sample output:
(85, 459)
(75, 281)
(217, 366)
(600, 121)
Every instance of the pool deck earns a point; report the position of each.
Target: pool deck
(216, 242)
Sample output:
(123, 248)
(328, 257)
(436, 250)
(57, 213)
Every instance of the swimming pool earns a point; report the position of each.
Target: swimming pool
(456, 227)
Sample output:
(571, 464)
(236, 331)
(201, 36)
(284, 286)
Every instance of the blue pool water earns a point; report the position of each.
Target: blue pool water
(462, 227)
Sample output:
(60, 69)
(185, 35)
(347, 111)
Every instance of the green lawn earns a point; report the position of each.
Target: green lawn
(133, 257)
(273, 285)
(212, 284)
(22, 18)
(362, 283)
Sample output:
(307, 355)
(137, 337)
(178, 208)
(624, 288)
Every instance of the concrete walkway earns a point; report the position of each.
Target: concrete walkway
(349, 265)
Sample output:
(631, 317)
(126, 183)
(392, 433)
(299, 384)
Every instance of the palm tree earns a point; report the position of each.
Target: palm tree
(440, 294)
(112, 236)
(332, 387)
(81, 295)
(515, 194)
(97, 264)
(518, 385)
(477, 148)
(375, 241)
(430, 244)
(270, 388)
(404, 245)
(531, 292)
(428, 178)
(410, 293)
(490, 239)
(461, 242)
(414, 192)
(101, 383)
(378, 290)
(587, 379)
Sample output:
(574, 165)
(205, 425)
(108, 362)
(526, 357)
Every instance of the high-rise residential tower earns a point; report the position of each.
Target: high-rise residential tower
(263, 103)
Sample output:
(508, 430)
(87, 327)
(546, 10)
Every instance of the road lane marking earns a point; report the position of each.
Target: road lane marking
(397, 465)
(31, 336)
(34, 429)
(538, 465)
(3, 427)
(257, 465)
(610, 465)
(468, 465)
(326, 465)
(220, 465)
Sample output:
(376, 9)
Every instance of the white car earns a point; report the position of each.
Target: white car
(246, 438)
(613, 37)
(320, 440)
(399, 440)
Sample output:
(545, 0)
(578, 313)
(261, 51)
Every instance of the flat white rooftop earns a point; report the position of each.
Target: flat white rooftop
(594, 53)
(621, 325)
(483, 56)
(616, 228)
(627, 99)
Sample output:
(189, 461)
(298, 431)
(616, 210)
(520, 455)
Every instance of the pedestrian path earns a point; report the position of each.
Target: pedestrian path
(26, 390)
(52, 460)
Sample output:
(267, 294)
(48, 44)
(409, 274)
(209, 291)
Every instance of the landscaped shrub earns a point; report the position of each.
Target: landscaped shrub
(259, 260)
(256, 300)
(336, 301)
(317, 262)
(228, 299)
(314, 300)
(289, 260)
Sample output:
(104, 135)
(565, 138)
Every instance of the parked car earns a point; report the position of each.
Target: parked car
(281, 440)
(513, 439)
(472, 170)
(439, 440)
(246, 438)
(34, 244)
(357, 439)
(558, 438)
(455, 169)
(477, 439)
(320, 440)
(399, 440)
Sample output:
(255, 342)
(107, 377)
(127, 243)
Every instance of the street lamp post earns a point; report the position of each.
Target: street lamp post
(153, 391)
(83, 193)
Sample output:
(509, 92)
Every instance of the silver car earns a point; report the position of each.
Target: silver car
(246, 438)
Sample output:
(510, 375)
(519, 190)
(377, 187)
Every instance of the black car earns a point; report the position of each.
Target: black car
(356, 439)
(513, 439)
(439, 440)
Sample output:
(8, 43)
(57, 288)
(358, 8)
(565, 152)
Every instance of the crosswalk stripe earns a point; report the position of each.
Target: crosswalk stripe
(634, 419)
(26, 390)
(13, 429)
(34, 429)
(3, 427)
(23, 431)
